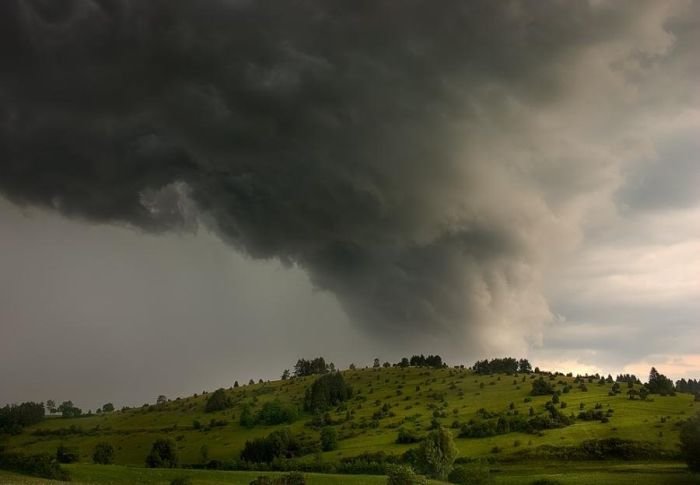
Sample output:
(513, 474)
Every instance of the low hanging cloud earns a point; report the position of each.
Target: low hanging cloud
(426, 162)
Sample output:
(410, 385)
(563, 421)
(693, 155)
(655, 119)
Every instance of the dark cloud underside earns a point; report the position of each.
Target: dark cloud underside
(414, 157)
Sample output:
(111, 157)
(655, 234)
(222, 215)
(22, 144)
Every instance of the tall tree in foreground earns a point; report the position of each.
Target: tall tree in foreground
(690, 443)
(437, 453)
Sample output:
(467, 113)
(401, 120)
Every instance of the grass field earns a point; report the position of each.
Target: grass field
(571, 474)
(413, 394)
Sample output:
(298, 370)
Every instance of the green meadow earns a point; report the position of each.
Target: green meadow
(411, 398)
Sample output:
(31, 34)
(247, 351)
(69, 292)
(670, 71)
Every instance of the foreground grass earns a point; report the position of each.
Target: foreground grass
(569, 474)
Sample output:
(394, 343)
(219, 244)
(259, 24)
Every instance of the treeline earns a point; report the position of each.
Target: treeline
(318, 365)
(627, 378)
(660, 384)
(505, 365)
(13, 418)
(691, 385)
(434, 361)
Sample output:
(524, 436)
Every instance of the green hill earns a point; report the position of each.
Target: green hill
(384, 400)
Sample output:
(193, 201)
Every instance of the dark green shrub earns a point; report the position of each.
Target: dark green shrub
(163, 454)
(67, 455)
(406, 436)
(329, 439)
(403, 475)
(690, 443)
(103, 454)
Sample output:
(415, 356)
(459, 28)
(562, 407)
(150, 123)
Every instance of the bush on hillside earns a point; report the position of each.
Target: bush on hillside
(275, 412)
(163, 454)
(540, 387)
(329, 439)
(103, 454)
(403, 475)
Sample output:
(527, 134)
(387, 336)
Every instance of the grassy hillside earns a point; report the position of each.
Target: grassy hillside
(413, 395)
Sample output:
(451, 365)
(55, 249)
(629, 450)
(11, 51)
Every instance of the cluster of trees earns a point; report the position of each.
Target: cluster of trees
(541, 387)
(659, 383)
(217, 401)
(305, 367)
(15, 417)
(505, 365)
(278, 444)
(434, 361)
(327, 391)
(691, 386)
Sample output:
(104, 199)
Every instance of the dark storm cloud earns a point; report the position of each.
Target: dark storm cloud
(363, 140)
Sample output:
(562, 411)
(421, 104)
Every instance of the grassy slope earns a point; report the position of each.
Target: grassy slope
(132, 432)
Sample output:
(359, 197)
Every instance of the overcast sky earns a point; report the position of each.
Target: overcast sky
(197, 192)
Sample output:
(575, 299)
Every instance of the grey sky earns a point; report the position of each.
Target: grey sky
(198, 192)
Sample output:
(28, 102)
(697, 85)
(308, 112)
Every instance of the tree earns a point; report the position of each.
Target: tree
(540, 387)
(51, 406)
(326, 391)
(285, 374)
(659, 383)
(107, 408)
(305, 367)
(404, 362)
(68, 410)
(235, 384)
(14, 418)
(163, 454)
(437, 453)
(161, 399)
(376, 364)
(329, 438)
(218, 401)
(690, 442)
(103, 454)
(251, 382)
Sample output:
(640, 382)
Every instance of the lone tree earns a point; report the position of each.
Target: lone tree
(107, 408)
(163, 454)
(690, 443)
(103, 454)
(437, 453)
